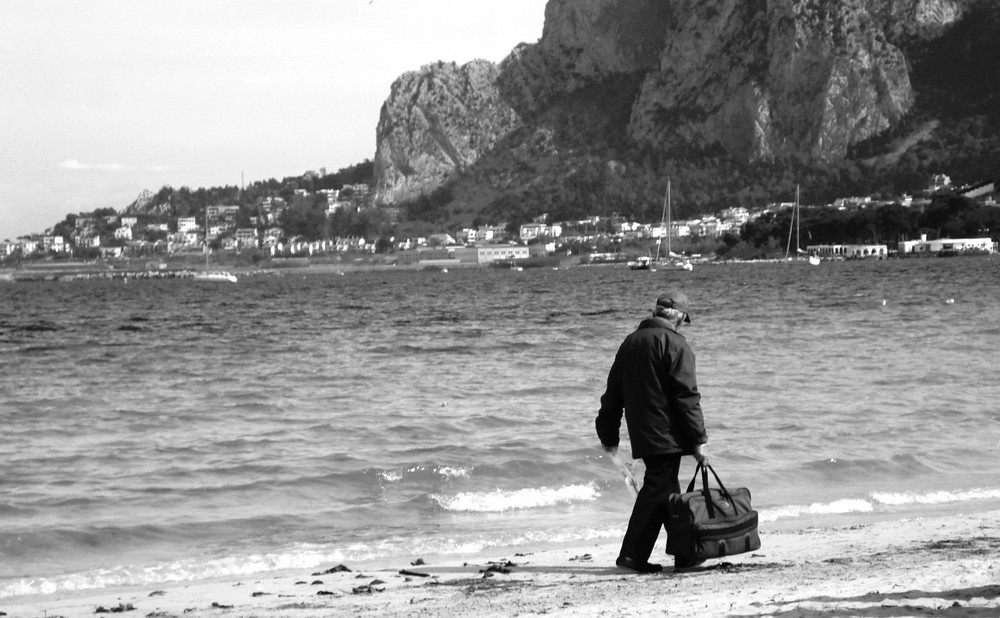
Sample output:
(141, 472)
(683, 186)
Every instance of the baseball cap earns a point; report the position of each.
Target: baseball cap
(675, 299)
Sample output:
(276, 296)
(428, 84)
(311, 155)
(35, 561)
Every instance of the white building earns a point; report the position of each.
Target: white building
(187, 224)
(849, 252)
(530, 231)
(442, 239)
(487, 254)
(247, 237)
(216, 212)
(946, 245)
(186, 238)
(939, 181)
(54, 243)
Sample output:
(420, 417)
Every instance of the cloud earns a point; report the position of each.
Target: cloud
(75, 164)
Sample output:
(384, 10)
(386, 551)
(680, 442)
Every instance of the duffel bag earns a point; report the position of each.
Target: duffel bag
(710, 522)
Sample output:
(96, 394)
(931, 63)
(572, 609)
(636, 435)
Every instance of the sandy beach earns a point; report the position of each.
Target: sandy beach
(938, 566)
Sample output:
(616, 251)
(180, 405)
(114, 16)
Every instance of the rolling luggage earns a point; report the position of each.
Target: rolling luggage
(710, 522)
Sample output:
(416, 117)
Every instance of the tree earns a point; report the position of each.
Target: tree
(894, 223)
(306, 221)
(153, 235)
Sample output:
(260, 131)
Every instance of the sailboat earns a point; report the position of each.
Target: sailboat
(212, 275)
(672, 258)
(795, 225)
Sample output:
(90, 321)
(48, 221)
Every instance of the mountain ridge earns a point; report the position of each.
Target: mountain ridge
(641, 89)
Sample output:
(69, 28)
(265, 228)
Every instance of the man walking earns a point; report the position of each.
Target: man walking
(653, 381)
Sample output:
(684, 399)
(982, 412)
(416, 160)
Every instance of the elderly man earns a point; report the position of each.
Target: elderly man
(653, 381)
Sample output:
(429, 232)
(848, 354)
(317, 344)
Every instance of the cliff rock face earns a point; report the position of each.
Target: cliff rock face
(143, 205)
(758, 78)
(920, 18)
(584, 41)
(435, 122)
(809, 78)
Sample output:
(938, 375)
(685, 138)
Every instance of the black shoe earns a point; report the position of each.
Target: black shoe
(685, 564)
(625, 562)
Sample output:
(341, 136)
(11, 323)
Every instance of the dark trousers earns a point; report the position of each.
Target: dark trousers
(650, 510)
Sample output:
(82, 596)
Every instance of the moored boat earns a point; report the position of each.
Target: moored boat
(643, 262)
(215, 275)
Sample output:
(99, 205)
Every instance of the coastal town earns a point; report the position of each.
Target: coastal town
(108, 235)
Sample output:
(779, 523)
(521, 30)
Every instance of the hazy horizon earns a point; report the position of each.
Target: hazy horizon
(109, 98)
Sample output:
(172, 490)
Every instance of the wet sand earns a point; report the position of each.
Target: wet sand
(939, 566)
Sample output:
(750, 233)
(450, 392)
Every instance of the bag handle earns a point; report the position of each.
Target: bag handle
(704, 469)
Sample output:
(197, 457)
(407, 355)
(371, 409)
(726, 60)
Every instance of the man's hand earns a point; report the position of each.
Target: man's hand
(701, 454)
(612, 450)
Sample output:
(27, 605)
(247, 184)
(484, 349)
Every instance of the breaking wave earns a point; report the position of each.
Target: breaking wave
(500, 501)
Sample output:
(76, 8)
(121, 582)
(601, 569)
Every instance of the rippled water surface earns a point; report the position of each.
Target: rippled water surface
(163, 430)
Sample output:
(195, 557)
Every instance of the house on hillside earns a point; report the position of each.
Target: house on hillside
(530, 231)
(246, 238)
(222, 212)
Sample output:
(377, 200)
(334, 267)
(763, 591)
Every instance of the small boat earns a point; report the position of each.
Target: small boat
(215, 275)
(794, 225)
(212, 275)
(672, 259)
(643, 262)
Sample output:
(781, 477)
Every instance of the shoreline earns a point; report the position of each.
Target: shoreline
(941, 564)
(75, 271)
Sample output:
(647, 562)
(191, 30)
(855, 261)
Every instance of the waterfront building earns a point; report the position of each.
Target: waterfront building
(849, 252)
(946, 246)
(487, 254)
(424, 254)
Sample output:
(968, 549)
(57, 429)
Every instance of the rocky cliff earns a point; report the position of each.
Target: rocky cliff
(436, 122)
(754, 78)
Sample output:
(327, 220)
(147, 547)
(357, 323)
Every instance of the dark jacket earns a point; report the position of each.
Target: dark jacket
(653, 380)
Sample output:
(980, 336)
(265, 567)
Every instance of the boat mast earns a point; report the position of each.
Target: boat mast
(667, 218)
(793, 224)
(206, 239)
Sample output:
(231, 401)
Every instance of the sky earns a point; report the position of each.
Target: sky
(103, 99)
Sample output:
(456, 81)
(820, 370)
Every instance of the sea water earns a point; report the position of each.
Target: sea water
(161, 431)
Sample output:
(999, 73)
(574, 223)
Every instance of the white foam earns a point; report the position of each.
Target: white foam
(177, 571)
(878, 499)
(453, 472)
(499, 501)
(391, 476)
(829, 508)
(935, 497)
